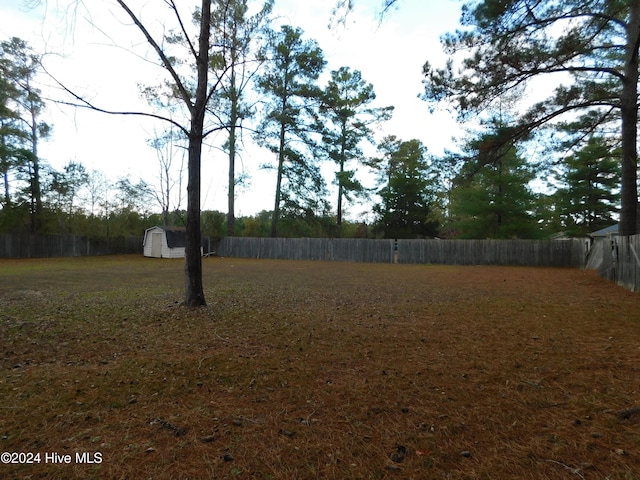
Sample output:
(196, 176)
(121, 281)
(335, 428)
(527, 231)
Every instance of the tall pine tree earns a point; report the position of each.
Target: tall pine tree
(346, 119)
(242, 37)
(21, 127)
(588, 197)
(407, 191)
(491, 197)
(289, 85)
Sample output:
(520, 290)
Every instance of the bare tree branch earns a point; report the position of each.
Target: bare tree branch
(165, 60)
(84, 103)
(173, 7)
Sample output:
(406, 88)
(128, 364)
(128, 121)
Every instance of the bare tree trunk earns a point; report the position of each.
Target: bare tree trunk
(194, 292)
(36, 191)
(7, 196)
(231, 216)
(276, 207)
(343, 149)
(629, 109)
(166, 194)
(5, 173)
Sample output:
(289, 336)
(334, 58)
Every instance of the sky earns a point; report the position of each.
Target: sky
(82, 54)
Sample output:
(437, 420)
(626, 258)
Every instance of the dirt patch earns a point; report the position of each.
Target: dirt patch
(318, 370)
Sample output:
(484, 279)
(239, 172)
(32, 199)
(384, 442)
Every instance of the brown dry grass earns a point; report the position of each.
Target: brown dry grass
(302, 370)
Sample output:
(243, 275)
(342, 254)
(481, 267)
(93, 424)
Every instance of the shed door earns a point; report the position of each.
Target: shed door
(156, 244)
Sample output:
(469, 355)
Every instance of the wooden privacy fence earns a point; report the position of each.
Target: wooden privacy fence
(554, 253)
(547, 253)
(617, 259)
(628, 262)
(542, 253)
(40, 246)
(340, 249)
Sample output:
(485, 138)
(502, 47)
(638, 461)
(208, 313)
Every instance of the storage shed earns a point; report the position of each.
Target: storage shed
(164, 242)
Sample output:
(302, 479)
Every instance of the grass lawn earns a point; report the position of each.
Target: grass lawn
(304, 370)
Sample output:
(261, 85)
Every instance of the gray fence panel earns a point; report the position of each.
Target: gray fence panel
(617, 259)
(362, 250)
(339, 249)
(42, 246)
(555, 253)
(626, 255)
(603, 258)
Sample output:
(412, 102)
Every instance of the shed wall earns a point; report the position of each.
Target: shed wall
(164, 251)
(176, 252)
(149, 236)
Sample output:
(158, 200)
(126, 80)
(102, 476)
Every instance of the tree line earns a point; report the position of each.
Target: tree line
(226, 70)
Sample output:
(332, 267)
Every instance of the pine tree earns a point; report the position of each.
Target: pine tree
(289, 84)
(589, 194)
(21, 129)
(242, 38)
(407, 193)
(345, 120)
(491, 197)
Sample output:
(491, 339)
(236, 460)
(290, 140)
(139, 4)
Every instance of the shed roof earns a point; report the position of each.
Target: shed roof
(175, 237)
(603, 232)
